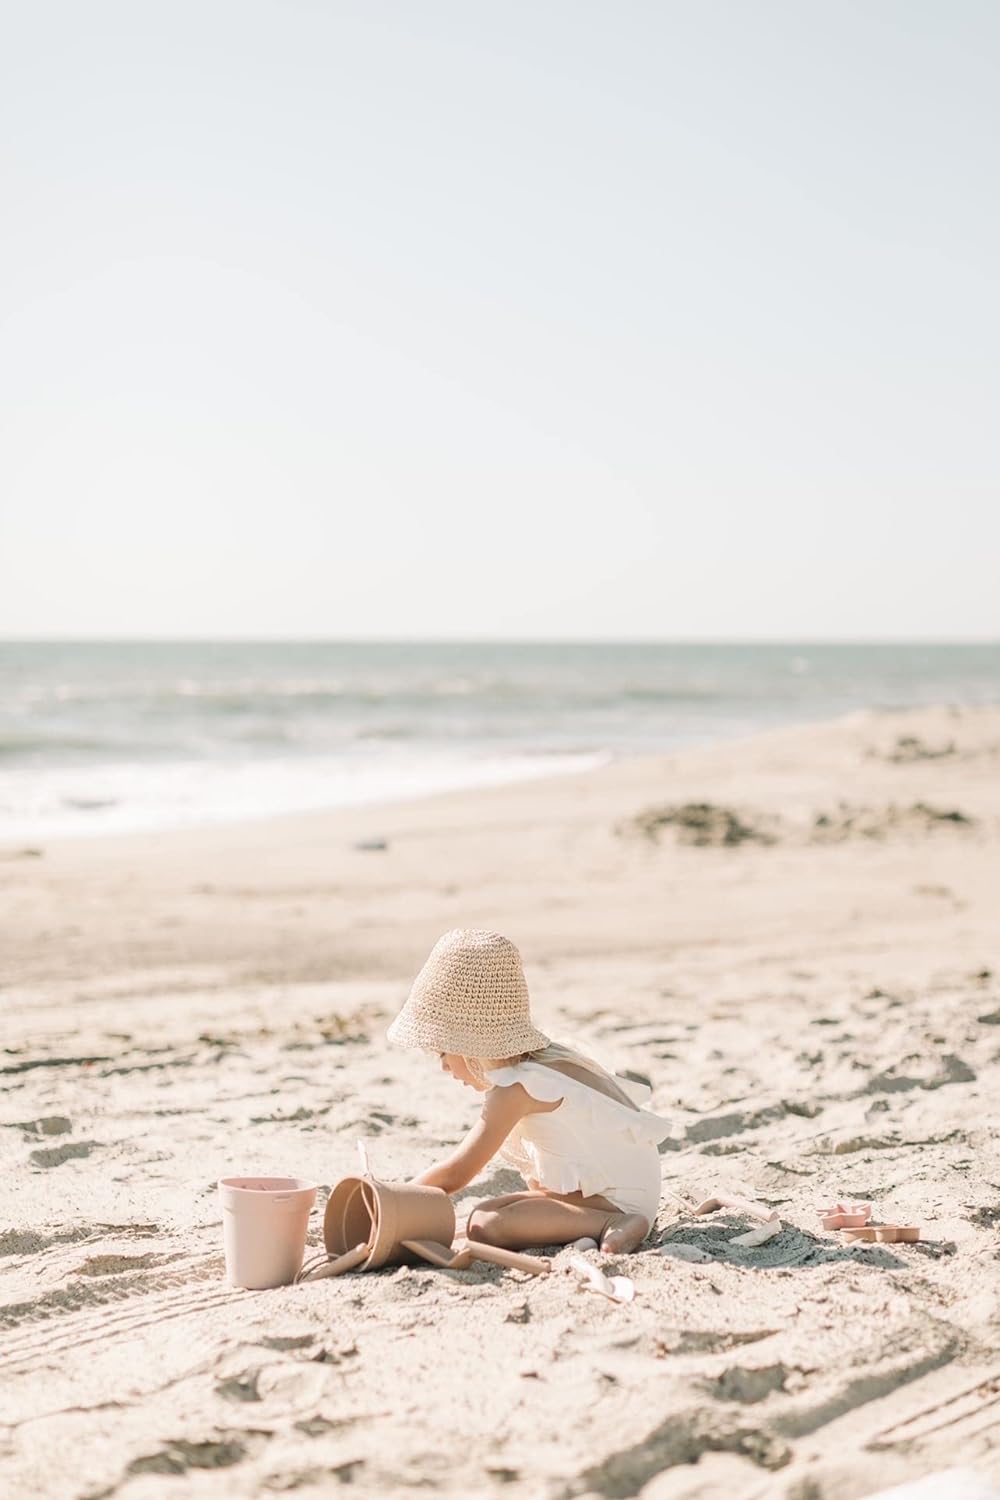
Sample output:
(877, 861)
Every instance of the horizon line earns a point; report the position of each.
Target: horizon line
(484, 640)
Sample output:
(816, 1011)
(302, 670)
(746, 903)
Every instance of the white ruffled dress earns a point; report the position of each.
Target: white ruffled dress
(591, 1144)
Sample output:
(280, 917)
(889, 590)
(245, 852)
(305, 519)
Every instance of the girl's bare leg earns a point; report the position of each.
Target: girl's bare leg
(491, 1203)
(624, 1234)
(523, 1221)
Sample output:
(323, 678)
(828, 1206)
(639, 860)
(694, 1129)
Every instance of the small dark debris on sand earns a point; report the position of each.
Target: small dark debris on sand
(704, 824)
(909, 747)
(987, 1217)
(852, 821)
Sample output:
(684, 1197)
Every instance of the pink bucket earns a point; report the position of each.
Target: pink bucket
(264, 1223)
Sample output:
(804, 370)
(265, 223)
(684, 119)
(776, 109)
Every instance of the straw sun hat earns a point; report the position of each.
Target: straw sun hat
(471, 998)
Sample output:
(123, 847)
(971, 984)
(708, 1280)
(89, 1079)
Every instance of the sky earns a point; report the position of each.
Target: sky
(534, 319)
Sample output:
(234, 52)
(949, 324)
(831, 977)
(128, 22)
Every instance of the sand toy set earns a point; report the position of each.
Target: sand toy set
(367, 1224)
(853, 1222)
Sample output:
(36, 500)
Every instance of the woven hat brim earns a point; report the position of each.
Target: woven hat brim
(411, 1029)
(470, 998)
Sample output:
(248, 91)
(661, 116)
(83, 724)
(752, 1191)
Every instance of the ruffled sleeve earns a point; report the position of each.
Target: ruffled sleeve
(542, 1083)
(548, 1085)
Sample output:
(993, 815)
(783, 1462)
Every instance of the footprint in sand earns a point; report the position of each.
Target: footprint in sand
(749, 1386)
(284, 1342)
(319, 1426)
(114, 1265)
(289, 1388)
(241, 1387)
(30, 1242)
(177, 1457)
(717, 1127)
(54, 1156)
(47, 1125)
(707, 1340)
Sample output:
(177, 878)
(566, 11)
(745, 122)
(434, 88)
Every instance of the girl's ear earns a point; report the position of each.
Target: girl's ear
(475, 1070)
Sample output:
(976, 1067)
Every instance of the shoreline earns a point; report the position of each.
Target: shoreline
(512, 772)
(178, 735)
(605, 760)
(186, 895)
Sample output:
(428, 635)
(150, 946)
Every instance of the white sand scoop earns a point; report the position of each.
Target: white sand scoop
(593, 1279)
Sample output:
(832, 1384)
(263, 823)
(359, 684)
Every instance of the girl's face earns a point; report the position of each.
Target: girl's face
(458, 1067)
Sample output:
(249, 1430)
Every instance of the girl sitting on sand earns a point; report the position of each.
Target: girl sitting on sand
(577, 1133)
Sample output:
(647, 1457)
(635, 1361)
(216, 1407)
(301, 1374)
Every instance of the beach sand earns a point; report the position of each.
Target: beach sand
(794, 937)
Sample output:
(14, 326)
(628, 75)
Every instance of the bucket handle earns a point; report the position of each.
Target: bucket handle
(319, 1266)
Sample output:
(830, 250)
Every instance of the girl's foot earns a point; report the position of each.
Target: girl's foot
(624, 1233)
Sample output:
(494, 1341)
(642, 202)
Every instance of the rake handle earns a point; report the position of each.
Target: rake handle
(535, 1265)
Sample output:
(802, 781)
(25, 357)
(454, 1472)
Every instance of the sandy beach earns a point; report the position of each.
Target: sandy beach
(793, 937)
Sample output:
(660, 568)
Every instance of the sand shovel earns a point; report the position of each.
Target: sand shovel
(459, 1257)
(769, 1226)
(593, 1279)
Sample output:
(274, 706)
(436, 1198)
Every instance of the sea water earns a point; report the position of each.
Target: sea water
(104, 736)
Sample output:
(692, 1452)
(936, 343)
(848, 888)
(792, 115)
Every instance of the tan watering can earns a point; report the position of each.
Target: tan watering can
(369, 1224)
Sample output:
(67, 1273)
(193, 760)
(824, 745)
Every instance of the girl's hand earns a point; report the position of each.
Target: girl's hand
(502, 1109)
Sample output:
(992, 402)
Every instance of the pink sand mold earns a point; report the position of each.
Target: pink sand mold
(845, 1215)
(854, 1221)
(885, 1234)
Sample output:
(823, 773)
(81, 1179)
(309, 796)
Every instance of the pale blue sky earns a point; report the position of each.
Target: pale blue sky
(510, 319)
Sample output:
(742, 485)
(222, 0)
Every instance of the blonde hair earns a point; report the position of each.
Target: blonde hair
(569, 1061)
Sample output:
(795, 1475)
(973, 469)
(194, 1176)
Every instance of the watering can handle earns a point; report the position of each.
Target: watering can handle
(320, 1266)
(536, 1265)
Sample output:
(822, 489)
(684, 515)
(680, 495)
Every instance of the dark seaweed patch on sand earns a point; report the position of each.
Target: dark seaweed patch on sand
(705, 824)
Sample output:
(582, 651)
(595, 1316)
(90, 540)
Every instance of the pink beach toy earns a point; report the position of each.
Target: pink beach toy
(264, 1222)
(884, 1234)
(369, 1224)
(845, 1215)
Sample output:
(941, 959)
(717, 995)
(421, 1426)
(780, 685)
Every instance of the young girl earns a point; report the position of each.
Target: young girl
(575, 1132)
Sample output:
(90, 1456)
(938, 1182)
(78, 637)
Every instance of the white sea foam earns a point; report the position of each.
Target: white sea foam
(122, 735)
(72, 801)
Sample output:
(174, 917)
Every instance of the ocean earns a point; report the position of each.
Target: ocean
(113, 736)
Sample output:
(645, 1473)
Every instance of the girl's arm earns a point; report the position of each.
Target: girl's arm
(502, 1108)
